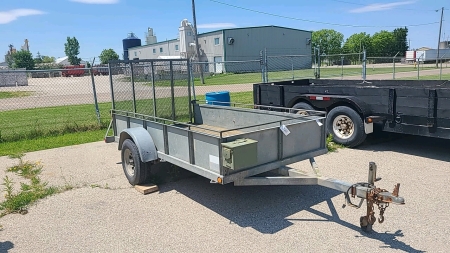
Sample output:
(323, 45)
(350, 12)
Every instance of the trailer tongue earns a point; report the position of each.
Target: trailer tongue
(159, 121)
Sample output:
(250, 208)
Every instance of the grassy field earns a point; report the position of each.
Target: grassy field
(52, 127)
(14, 94)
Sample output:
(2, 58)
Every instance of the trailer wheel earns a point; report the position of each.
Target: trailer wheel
(135, 170)
(365, 225)
(346, 126)
(302, 105)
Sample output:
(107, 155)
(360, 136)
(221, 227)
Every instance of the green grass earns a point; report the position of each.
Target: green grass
(14, 94)
(35, 123)
(49, 142)
(52, 127)
(18, 202)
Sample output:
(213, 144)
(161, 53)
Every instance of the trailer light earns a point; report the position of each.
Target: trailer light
(219, 180)
(369, 120)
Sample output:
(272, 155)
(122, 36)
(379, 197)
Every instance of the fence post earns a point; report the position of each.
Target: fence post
(292, 67)
(440, 71)
(261, 63)
(133, 88)
(266, 65)
(318, 63)
(418, 69)
(342, 67)
(111, 86)
(191, 69)
(172, 90)
(364, 65)
(153, 88)
(97, 111)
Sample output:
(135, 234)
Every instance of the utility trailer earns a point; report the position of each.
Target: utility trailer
(162, 121)
(415, 107)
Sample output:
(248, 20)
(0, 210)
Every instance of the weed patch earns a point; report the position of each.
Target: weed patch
(29, 192)
(331, 145)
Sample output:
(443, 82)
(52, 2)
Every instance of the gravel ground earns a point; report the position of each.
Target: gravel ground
(192, 215)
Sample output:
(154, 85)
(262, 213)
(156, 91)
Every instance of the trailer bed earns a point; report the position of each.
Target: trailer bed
(418, 107)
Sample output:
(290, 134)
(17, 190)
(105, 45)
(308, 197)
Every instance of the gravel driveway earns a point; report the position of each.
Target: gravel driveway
(193, 215)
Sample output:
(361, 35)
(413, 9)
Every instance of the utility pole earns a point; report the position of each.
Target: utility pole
(196, 41)
(439, 42)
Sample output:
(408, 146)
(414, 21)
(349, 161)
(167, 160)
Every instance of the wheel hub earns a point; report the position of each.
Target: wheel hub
(343, 127)
(129, 162)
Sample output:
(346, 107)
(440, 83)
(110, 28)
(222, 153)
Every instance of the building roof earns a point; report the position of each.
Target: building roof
(221, 30)
(59, 60)
(423, 49)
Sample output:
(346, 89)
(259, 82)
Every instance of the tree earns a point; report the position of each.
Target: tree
(356, 43)
(23, 59)
(329, 41)
(108, 55)
(401, 40)
(38, 58)
(48, 59)
(383, 44)
(72, 49)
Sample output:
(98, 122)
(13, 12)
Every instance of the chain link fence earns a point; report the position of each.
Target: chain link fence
(400, 68)
(340, 66)
(157, 88)
(54, 102)
(57, 101)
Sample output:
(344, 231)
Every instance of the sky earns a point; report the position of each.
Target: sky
(102, 24)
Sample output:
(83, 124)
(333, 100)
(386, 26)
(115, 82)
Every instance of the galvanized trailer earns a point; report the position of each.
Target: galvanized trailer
(159, 120)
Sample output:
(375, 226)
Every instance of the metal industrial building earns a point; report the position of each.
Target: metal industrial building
(229, 45)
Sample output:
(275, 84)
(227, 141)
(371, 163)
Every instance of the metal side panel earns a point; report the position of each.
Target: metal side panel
(302, 138)
(156, 132)
(136, 122)
(179, 143)
(121, 123)
(206, 152)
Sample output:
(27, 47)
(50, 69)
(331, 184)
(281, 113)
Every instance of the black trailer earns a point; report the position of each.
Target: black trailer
(417, 107)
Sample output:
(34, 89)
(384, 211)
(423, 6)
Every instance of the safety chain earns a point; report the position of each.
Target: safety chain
(378, 200)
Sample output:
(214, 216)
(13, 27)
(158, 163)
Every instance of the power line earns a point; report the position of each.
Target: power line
(406, 9)
(313, 21)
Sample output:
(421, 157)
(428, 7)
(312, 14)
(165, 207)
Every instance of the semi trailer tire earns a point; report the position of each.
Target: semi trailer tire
(346, 126)
(304, 106)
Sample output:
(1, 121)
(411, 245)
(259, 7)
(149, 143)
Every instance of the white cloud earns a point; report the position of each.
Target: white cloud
(9, 16)
(216, 25)
(96, 1)
(380, 7)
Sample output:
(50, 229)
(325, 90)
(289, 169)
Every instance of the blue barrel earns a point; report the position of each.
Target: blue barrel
(218, 98)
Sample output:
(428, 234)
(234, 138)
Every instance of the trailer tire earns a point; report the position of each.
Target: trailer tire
(346, 126)
(135, 170)
(302, 105)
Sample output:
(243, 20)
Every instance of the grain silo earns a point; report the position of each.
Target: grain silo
(129, 42)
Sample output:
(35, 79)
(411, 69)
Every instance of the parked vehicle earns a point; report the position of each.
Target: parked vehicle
(226, 142)
(73, 70)
(416, 107)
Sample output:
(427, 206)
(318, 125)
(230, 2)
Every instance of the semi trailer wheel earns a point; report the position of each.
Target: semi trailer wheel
(346, 126)
(304, 106)
(135, 170)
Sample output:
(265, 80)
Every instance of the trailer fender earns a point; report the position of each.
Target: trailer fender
(143, 141)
